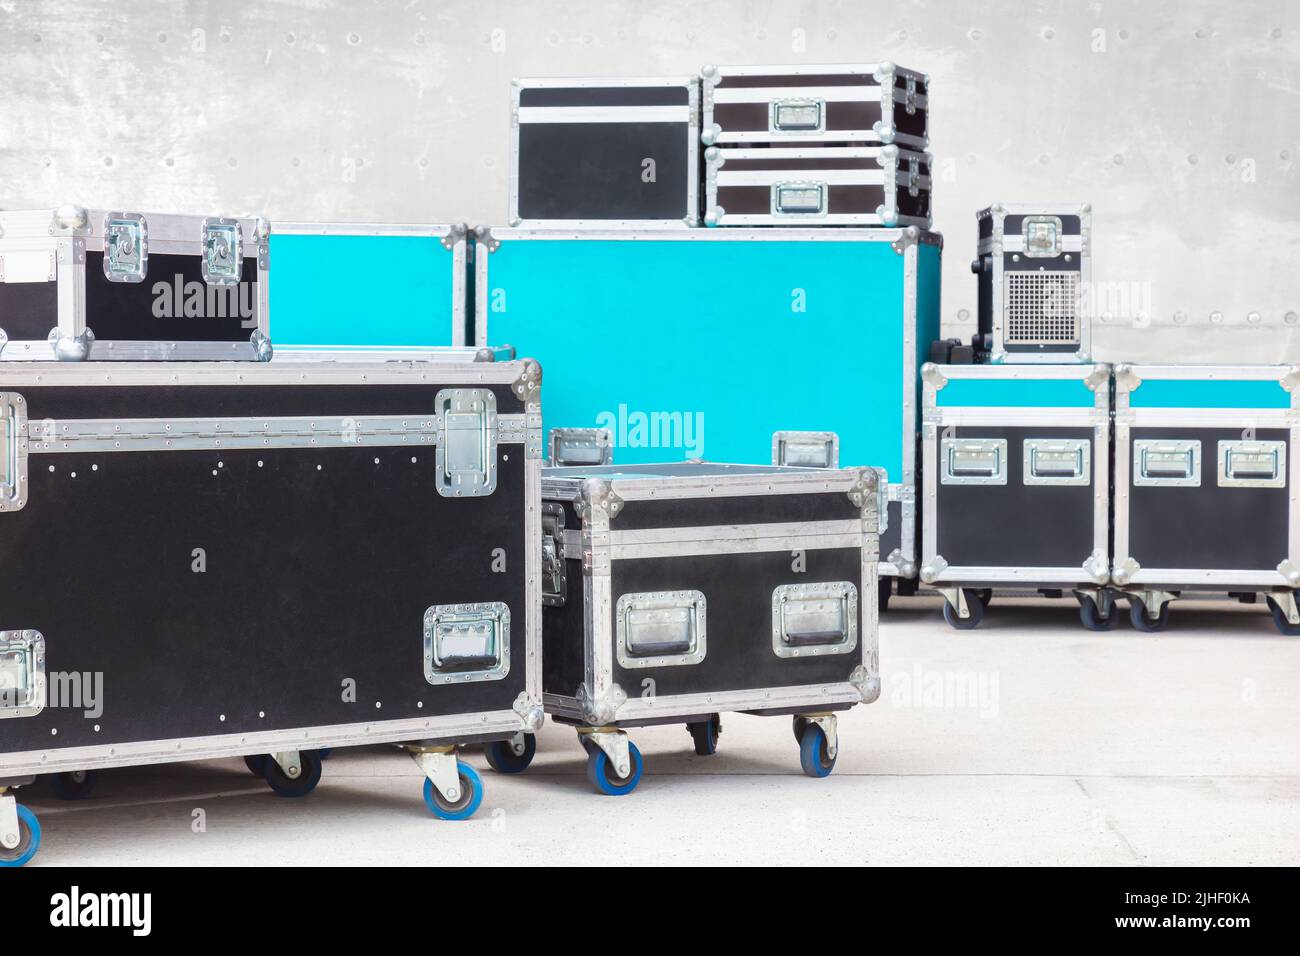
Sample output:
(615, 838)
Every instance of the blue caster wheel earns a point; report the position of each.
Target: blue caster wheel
(814, 759)
(502, 758)
(73, 785)
(705, 733)
(1138, 617)
(974, 604)
(605, 779)
(29, 840)
(298, 786)
(471, 795)
(1090, 613)
(256, 764)
(1279, 619)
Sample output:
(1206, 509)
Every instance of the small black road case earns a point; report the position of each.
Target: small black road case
(817, 186)
(1016, 485)
(93, 284)
(1035, 273)
(1206, 478)
(605, 152)
(221, 560)
(820, 104)
(674, 592)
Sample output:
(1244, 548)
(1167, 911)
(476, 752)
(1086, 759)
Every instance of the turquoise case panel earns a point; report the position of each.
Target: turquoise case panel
(687, 349)
(340, 291)
(1015, 393)
(1210, 393)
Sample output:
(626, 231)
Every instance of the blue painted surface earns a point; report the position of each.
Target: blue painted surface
(705, 348)
(1207, 393)
(1015, 393)
(342, 291)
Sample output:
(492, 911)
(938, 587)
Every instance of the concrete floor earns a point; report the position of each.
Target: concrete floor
(1028, 741)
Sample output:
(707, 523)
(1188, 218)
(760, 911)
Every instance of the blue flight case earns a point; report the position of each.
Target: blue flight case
(368, 287)
(741, 345)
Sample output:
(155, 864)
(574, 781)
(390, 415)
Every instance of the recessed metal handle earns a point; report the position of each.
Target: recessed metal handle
(13, 451)
(1166, 462)
(806, 449)
(22, 673)
(581, 446)
(974, 461)
(661, 628)
(467, 442)
(1252, 464)
(799, 198)
(466, 642)
(812, 619)
(1057, 461)
(801, 115)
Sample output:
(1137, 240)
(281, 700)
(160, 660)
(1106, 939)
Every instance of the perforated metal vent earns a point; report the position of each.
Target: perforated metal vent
(1042, 308)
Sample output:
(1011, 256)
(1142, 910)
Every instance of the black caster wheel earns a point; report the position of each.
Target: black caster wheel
(465, 805)
(73, 785)
(256, 764)
(603, 776)
(799, 724)
(1138, 617)
(1091, 615)
(299, 786)
(886, 590)
(814, 755)
(1279, 619)
(986, 597)
(503, 758)
(29, 840)
(974, 604)
(705, 733)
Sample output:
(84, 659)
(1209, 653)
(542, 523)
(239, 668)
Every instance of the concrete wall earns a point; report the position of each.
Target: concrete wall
(1178, 121)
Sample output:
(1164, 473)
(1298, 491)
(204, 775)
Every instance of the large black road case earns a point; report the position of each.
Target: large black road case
(265, 560)
(93, 284)
(605, 152)
(1016, 485)
(1206, 473)
(674, 592)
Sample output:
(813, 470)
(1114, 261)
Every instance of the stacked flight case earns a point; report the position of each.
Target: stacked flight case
(264, 559)
(674, 592)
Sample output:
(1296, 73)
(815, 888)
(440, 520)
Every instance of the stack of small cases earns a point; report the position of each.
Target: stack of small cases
(840, 145)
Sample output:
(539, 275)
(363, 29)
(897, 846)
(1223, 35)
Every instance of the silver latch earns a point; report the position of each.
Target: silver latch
(913, 176)
(126, 247)
(554, 583)
(1163, 462)
(467, 442)
(22, 673)
(1252, 464)
(13, 447)
(661, 628)
(798, 199)
(974, 461)
(814, 619)
(466, 642)
(1057, 461)
(223, 251)
(797, 116)
(806, 449)
(581, 446)
(909, 94)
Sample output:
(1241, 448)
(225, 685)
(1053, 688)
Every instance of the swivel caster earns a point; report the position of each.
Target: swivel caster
(73, 785)
(614, 764)
(818, 745)
(256, 764)
(973, 603)
(20, 833)
(292, 773)
(1097, 613)
(1142, 620)
(452, 790)
(1285, 616)
(513, 755)
(705, 733)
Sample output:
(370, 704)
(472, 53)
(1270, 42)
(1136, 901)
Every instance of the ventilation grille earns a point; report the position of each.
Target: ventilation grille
(1042, 308)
